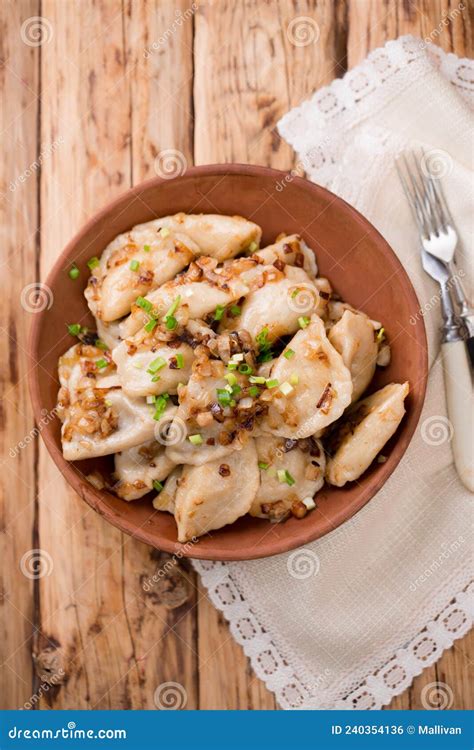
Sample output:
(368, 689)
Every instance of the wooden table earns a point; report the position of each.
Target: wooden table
(88, 105)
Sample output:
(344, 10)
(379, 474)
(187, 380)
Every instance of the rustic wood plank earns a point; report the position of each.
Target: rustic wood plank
(277, 58)
(19, 83)
(116, 642)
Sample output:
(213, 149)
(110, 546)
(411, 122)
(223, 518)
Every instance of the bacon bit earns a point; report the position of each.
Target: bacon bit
(299, 260)
(324, 295)
(217, 411)
(224, 470)
(173, 363)
(279, 264)
(287, 249)
(276, 512)
(131, 349)
(325, 401)
(298, 509)
(210, 441)
(312, 472)
(145, 278)
(247, 424)
(225, 438)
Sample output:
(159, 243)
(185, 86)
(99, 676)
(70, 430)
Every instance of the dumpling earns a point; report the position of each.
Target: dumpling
(276, 307)
(109, 333)
(82, 367)
(218, 236)
(313, 385)
(217, 493)
(152, 368)
(363, 433)
(201, 290)
(291, 472)
(99, 422)
(138, 468)
(354, 338)
(165, 500)
(132, 265)
(210, 449)
(293, 251)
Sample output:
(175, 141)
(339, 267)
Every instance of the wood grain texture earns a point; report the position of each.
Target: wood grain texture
(19, 213)
(118, 91)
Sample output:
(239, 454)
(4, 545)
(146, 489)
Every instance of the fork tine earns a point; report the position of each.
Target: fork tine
(439, 197)
(421, 204)
(410, 198)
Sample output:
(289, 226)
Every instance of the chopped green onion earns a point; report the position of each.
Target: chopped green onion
(252, 247)
(257, 379)
(147, 248)
(179, 361)
(309, 503)
(101, 363)
(245, 369)
(171, 323)
(219, 312)
(134, 265)
(170, 313)
(145, 304)
(232, 366)
(138, 365)
(294, 293)
(237, 357)
(101, 345)
(261, 338)
(150, 326)
(93, 262)
(108, 402)
(254, 391)
(265, 356)
(262, 465)
(157, 485)
(303, 322)
(294, 378)
(286, 388)
(74, 329)
(223, 397)
(156, 365)
(380, 334)
(236, 389)
(271, 383)
(231, 378)
(74, 272)
(150, 399)
(164, 231)
(155, 378)
(235, 310)
(289, 354)
(195, 439)
(160, 405)
(284, 476)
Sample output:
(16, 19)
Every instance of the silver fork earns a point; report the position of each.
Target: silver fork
(457, 376)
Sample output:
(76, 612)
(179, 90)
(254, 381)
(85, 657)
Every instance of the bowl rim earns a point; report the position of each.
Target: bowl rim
(93, 497)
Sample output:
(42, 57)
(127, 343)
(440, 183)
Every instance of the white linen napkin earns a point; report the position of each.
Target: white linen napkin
(349, 620)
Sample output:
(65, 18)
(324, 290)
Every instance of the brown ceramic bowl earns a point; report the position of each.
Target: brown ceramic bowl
(361, 267)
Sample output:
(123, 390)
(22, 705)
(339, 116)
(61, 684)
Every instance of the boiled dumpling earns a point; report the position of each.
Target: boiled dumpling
(132, 265)
(210, 449)
(291, 472)
(219, 236)
(276, 307)
(217, 493)
(82, 367)
(200, 289)
(314, 386)
(354, 338)
(363, 433)
(137, 469)
(109, 333)
(99, 422)
(152, 367)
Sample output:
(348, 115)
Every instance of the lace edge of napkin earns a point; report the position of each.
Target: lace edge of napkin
(378, 687)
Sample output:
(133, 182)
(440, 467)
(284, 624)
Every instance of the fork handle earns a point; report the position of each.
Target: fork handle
(459, 397)
(470, 348)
